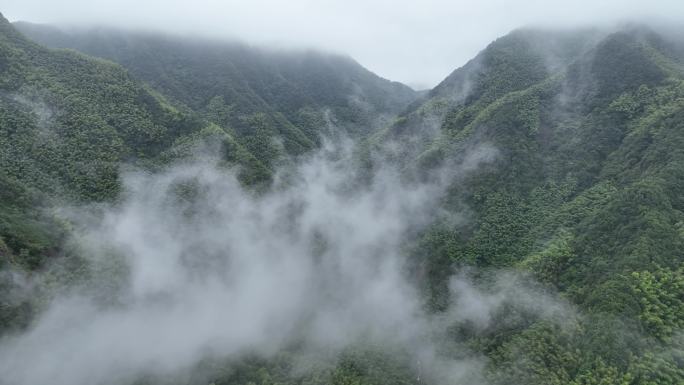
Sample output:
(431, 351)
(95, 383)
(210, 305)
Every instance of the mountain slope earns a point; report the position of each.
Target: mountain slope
(67, 123)
(585, 193)
(250, 91)
(69, 120)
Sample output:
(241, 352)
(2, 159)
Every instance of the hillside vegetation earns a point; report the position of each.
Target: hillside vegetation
(584, 197)
(253, 93)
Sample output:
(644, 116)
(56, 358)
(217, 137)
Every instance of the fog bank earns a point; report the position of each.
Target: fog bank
(191, 265)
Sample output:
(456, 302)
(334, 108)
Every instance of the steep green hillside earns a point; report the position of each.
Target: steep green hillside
(585, 194)
(252, 92)
(67, 123)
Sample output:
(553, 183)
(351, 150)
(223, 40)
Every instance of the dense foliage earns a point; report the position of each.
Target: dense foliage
(584, 193)
(255, 94)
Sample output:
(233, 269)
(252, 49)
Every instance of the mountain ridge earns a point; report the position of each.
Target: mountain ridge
(248, 69)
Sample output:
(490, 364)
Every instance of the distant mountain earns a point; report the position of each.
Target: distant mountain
(247, 90)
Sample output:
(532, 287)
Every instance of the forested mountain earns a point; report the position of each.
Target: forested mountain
(581, 195)
(585, 194)
(252, 92)
(70, 120)
(67, 123)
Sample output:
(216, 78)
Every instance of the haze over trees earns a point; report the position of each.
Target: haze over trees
(179, 210)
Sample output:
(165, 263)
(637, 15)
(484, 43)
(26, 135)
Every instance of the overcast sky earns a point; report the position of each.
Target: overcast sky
(416, 42)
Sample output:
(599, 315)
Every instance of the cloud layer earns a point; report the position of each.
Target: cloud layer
(191, 265)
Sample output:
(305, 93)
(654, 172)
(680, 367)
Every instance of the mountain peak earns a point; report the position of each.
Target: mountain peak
(8, 30)
(4, 23)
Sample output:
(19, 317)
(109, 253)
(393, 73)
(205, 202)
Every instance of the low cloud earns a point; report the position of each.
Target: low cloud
(191, 265)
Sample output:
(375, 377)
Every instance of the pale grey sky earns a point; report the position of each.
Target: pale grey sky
(416, 42)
